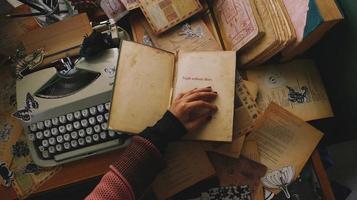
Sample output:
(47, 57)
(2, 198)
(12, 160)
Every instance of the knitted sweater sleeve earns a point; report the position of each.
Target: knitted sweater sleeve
(135, 169)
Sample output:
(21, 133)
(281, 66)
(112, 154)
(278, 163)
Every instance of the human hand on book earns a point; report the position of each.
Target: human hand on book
(194, 108)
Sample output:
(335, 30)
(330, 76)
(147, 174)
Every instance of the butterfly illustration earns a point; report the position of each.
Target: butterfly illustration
(6, 174)
(25, 114)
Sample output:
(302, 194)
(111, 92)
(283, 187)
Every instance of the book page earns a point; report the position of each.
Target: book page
(215, 69)
(142, 87)
(164, 14)
(284, 139)
(187, 164)
(236, 22)
(296, 86)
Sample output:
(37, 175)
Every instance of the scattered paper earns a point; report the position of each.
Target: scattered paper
(296, 86)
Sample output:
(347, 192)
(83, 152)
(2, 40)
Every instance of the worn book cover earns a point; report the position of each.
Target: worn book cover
(236, 22)
(164, 14)
(148, 79)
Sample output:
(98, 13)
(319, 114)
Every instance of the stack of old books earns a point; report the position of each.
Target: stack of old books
(256, 29)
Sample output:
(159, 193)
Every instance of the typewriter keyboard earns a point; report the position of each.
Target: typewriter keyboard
(72, 131)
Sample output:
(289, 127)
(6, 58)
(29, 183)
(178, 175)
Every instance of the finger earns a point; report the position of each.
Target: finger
(206, 89)
(179, 96)
(205, 96)
(198, 122)
(200, 105)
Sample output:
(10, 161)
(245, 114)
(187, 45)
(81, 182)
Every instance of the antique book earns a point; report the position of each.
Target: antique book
(164, 14)
(312, 19)
(187, 164)
(237, 23)
(296, 86)
(159, 76)
(279, 33)
(284, 140)
(192, 35)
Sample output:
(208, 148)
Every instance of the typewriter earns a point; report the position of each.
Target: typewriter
(65, 112)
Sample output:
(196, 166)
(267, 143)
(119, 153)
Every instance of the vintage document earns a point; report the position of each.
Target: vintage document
(164, 14)
(284, 140)
(130, 4)
(231, 149)
(236, 22)
(250, 151)
(28, 176)
(296, 86)
(10, 131)
(209, 68)
(187, 164)
(192, 35)
(242, 171)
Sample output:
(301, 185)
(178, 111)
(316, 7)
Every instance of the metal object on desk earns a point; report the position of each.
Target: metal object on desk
(70, 120)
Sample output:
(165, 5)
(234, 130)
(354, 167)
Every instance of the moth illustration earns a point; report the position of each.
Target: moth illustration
(188, 32)
(25, 114)
(31, 168)
(297, 97)
(6, 174)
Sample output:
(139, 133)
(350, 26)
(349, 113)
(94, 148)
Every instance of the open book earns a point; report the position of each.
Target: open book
(148, 80)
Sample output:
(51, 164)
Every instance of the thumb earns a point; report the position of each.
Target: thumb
(198, 122)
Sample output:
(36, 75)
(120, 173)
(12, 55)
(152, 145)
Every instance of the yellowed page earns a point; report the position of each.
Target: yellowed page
(252, 88)
(187, 164)
(142, 87)
(164, 14)
(231, 149)
(284, 139)
(275, 80)
(215, 69)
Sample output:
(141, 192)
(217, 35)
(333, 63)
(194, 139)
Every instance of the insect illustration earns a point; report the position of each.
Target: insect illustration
(5, 133)
(188, 32)
(297, 97)
(25, 114)
(6, 174)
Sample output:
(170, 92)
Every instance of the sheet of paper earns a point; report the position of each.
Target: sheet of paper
(246, 110)
(187, 164)
(231, 149)
(296, 86)
(236, 22)
(242, 171)
(284, 139)
(10, 131)
(164, 14)
(27, 181)
(215, 69)
(192, 35)
(250, 151)
(114, 9)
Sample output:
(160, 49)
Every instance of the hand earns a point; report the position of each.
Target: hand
(194, 108)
